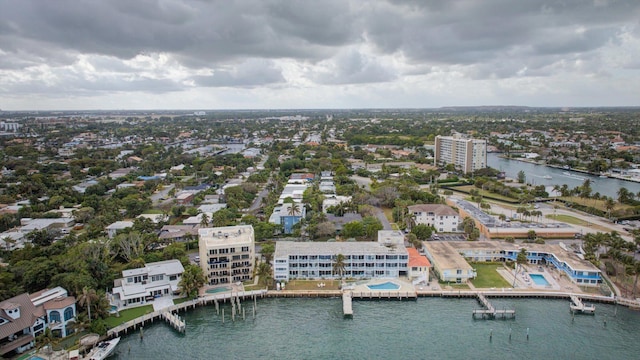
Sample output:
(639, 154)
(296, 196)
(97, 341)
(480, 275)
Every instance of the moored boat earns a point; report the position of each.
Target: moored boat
(104, 349)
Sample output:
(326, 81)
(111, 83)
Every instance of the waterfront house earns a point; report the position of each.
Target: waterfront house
(227, 253)
(137, 286)
(418, 267)
(59, 308)
(447, 263)
(441, 217)
(20, 322)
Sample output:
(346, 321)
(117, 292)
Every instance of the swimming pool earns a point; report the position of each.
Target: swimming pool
(384, 286)
(34, 357)
(539, 279)
(217, 290)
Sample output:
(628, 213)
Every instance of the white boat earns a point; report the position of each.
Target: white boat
(104, 349)
(548, 177)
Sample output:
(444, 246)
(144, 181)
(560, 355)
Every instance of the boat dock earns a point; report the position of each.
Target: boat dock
(489, 311)
(347, 308)
(175, 321)
(578, 306)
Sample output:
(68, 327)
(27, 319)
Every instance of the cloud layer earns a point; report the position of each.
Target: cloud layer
(345, 53)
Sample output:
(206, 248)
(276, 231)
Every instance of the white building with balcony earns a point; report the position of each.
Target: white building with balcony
(138, 286)
(441, 217)
(227, 253)
(311, 260)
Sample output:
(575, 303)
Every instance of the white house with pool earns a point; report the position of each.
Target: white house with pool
(138, 286)
(312, 260)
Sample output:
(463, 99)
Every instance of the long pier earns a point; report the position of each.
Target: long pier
(489, 311)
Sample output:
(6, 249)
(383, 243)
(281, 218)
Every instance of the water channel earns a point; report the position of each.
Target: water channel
(548, 176)
(429, 328)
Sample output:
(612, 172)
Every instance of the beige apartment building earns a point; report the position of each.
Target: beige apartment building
(466, 154)
(227, 253)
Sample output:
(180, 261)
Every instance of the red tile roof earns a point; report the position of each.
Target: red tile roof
(415, 259)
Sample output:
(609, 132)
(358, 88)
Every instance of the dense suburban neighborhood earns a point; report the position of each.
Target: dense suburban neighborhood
(103, 213)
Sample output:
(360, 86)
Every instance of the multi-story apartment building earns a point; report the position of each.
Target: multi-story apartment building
(466, 154)
(300, 260)
(441, 217)
(227, 253)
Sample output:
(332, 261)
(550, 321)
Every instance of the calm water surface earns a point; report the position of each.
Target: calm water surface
(535, 175)
(430, 328)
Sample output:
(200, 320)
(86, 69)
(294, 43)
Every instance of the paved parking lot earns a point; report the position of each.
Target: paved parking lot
(448, 237)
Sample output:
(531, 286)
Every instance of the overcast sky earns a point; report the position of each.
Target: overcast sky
(208, 54)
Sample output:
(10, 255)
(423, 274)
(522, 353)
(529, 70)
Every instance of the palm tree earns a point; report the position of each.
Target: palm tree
(520, 259)
(204, 220)
(294, 209)
(609, 204)
(339, 265)
(8, 242)
(191, 281)
(264, 272)
(86, 298)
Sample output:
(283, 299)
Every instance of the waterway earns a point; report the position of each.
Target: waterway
(536, 175)
(429, 328)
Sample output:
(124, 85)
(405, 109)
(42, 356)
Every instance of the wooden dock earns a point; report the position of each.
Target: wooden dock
(578, 306)
(489, 312)
(347, 306)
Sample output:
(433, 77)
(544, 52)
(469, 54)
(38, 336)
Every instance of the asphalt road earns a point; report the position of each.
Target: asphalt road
(157, 198)
(386, 225)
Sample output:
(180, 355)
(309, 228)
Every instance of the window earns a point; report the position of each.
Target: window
(54, 316)
(173, 277)
(245, 248)
(68, 313)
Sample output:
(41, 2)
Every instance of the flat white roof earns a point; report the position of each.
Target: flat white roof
(286, 248)
(216, 236)
(156, 268)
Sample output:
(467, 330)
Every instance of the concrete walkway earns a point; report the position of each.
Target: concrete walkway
(162, 303)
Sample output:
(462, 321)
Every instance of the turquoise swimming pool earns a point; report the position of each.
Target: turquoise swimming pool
(539, 279)
(218, 290)
(384, 286)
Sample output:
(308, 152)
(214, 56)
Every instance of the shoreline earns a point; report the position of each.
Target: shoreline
(141, 321)
(533, 162)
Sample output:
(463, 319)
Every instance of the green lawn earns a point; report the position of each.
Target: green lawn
(485, 193)
(180, 300)
(575, 221)
(488, 277)
(127, 315)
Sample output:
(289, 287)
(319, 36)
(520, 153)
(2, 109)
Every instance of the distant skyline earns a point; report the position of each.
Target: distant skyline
(270, 54)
